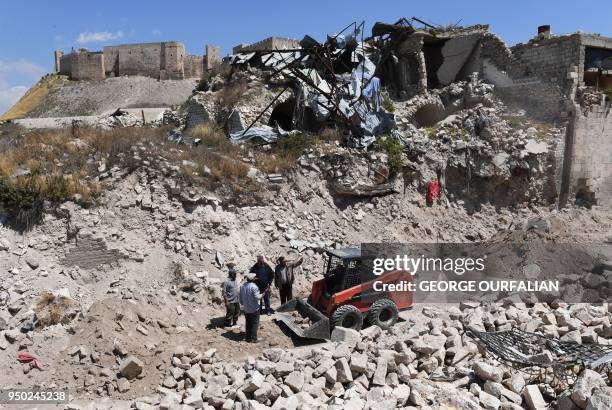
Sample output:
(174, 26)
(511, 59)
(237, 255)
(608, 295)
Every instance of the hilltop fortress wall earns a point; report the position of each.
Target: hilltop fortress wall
(163, 60)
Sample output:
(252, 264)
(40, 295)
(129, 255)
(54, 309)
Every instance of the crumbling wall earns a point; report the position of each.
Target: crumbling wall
(550, 59)
(590, 157)
(407, 75)
(91, 252)
(542, 100)
(458, 53)
(86, 66)
(270, 43)
(516, 79)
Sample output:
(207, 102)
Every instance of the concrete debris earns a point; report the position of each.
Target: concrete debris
(122, 296)
(131, 367)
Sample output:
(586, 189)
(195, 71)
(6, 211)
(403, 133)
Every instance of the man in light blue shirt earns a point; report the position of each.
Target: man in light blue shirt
(249, 299)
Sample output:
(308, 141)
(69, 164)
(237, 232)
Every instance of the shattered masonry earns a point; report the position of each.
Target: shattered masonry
(558, 79)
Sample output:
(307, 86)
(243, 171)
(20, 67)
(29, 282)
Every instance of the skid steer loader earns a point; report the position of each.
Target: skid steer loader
(346, 297)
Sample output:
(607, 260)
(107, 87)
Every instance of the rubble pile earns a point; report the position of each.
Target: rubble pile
(302, 321)
(453, 125)
(426, 361)
(120, 297)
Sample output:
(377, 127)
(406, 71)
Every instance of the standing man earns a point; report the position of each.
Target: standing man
(229, 290)
(249, 299)
(284, 277)
(265, 275)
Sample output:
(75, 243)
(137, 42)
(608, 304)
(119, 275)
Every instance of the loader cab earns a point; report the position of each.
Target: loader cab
(345, 268)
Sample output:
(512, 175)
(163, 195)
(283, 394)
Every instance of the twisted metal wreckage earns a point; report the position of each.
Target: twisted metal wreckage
(543, 358)
(333, 81)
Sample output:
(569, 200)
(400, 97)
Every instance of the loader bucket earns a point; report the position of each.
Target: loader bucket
(295, 310)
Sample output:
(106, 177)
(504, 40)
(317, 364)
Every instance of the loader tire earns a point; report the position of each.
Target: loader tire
(347, 316)
(383, 313)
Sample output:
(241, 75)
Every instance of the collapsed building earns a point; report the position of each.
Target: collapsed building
(163, 60)
(431, 73)
(270, 43)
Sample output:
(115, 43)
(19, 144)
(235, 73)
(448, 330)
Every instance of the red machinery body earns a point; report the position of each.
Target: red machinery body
(355, 295)
(348, 294)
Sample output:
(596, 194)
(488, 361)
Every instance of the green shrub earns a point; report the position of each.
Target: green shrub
(393, 149)
(56, 188)
(387, 104)
(204, 82)
(21, 198)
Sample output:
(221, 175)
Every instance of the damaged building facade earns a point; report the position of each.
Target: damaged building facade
(163, 60)
(580, 66)
(559, 80)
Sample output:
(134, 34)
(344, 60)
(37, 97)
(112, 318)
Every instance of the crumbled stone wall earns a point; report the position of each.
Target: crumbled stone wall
(90, 252)
(542, 100)
(270, 43)
(550, 59)
(591, 157)
(559, 61)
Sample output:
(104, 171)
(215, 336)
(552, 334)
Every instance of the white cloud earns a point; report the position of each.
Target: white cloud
(156, 32)
(10, 95)
(13, 76)
(20, 68)
(98, 36)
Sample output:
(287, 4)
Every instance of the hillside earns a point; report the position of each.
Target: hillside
(34, 97)
(56, 96)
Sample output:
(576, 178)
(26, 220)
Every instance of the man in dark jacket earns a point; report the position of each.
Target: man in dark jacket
(265, 275)
(284, 277)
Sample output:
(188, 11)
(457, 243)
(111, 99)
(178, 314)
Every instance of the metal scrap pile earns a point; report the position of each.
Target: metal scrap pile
(538, 355)
(333, 82)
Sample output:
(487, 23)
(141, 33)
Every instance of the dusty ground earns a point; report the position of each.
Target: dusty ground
(143, 292)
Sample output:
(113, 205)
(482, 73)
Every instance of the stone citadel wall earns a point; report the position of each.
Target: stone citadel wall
(163, 60)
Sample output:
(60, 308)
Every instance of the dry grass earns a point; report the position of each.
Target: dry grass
(212, 136)
(329, 135)
(58, 165)
(32, 98)
(285, 152)
(52, 166)
(52, 310)
(46, 298)
(231, 94)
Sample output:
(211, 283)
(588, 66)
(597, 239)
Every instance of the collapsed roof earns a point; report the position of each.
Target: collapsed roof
(340, 80)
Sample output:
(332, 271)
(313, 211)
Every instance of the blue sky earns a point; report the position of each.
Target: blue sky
(31, 30)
